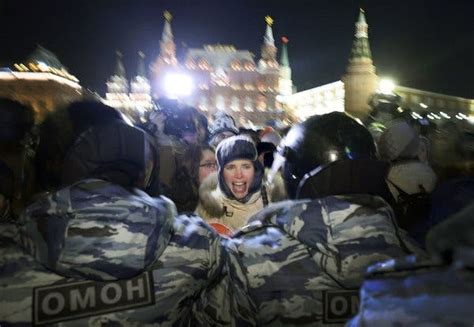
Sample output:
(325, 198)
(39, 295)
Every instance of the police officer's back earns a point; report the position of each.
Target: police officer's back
(304, 259)
(101, 251)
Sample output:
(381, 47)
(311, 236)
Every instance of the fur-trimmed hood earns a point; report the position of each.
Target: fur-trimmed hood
(211, 198)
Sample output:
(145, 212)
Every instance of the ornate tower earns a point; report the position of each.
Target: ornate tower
(140, 94)
(117, 86)
(285, 84)
(360, 80)
(268, 50)
(166, 60)
(269, 72)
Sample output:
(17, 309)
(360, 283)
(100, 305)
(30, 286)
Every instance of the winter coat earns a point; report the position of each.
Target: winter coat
(215, 206)
(97, 254)
(300, 258)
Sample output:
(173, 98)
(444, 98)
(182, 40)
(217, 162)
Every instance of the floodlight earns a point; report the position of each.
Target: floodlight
(177, 85)
(386, 86)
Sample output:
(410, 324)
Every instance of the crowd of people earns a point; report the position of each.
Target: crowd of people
(178, 220)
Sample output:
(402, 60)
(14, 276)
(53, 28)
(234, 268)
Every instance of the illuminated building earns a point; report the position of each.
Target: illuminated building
(225, 78)
(134, 98)
(42, 82)
(353, 92)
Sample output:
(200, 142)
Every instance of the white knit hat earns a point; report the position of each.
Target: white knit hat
(271, 136)
(222, 122)
(399, 141)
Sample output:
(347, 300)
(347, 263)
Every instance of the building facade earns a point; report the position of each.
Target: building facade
(353, 93)
(132, 98)
(227, 79)
(42, 83)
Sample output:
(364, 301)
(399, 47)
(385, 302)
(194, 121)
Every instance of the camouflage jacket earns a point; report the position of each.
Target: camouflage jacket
(96, 254)
(411, 292)
(305, 260)
(416, 292)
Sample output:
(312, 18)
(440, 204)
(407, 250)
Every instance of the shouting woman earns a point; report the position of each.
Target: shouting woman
(236, 192)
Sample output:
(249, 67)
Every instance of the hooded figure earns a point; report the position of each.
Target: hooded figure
(304, 259)
(409, 180)
(399, 144)
(101, 252)
(233, 194)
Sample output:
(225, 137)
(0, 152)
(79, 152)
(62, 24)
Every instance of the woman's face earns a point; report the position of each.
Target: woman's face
(207, 164)
(238, 176)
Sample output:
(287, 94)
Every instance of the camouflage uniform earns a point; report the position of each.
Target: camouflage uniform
(409, 292)
(417, 292)
(97, 254)
(294, 251)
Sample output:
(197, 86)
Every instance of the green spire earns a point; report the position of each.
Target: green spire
(284, 62)
(167, 35)
(360, 46)
(362, 16)
(119, 68)
(141, 64)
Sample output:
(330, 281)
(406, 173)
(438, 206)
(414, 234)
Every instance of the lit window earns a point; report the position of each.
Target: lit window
(220, 102)
(234, 104)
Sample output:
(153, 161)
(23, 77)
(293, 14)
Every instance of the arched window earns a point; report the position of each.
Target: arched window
(203, 103)
(220, 102)
(248, 105)
(234, 104)
(235, 65)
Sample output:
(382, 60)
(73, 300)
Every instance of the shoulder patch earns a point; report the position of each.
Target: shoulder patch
(56, 303)
(340, 305)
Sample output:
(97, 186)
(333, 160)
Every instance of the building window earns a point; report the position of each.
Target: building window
(234, 104)
(249, 87)
(249, 66)
(235, 65)
(220, 77)
(191, 64)
(248, 104)
(203, 64)
(261, 103)
(220, 102)
(203, 103)
(235, 87)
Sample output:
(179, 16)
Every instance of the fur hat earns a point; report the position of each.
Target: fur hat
(399, 141)
(235, 147)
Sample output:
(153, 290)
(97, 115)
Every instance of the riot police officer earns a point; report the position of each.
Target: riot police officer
(304, 259)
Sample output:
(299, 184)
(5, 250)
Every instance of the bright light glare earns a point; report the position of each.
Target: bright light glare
(445, 115)
(178, 85)
(416, 115)
(386, 86)
(423, 105)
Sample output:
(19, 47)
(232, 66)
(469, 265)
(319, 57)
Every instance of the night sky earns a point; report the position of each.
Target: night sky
(422, 44)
